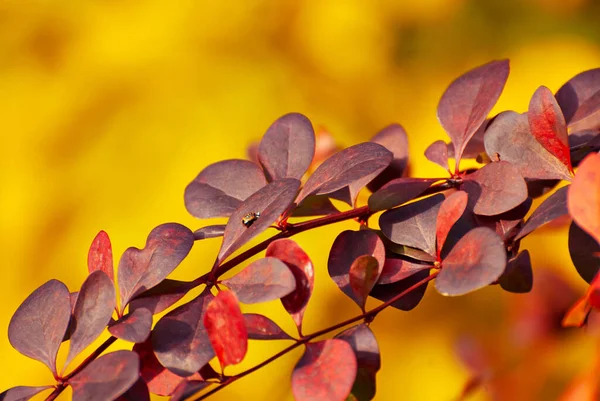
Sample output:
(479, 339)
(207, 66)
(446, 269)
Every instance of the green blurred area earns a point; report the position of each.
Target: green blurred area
(109, 108)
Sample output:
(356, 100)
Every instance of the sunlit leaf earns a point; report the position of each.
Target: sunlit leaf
(475, 147)
(579, 98)
(260, 327)
(396, 269)
(449, 213)
(468, 100)
(141, 269)
(263, 280)
(226, 328)
(518, 276)
(209, 232)
(585, 252)
(583, 198)
(21, 393)
(39, 324)
(393, 138)
(134, 326)
(553, 207)
(385, 292)
(100, 256)
(161, 296)
(476, 261)
(287, 148)
(326, 372)
(364, 273)
(437, 153)
(270, 201)
(398, 191)
(221, 187)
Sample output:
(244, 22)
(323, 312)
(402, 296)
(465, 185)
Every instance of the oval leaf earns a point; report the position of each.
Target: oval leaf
(180, 340)
(188, 389)
(262, 281)
(468, 100)
(93, 309)
(161, 296)
(39, 324)
(270, 201)
(476, 261)
(346, 248)
(396, 269)
(287, 148)
(100, 256)
(302, 268)
(107, 377)
(548, 126)
(584, 251)
(315, 205)
(134, 327)
(226, 328)
(21, 393)
(398, 191)
(209, 232)
(578, 98)
(141, 269)
(348, 166)
(518, 276)
(437, 153)
(450, 211)
(260, 327)
(393, 138)
(325, 372)
(364, 273)
(583, 198)
(410, 300)
(221, 187)
(553, 207)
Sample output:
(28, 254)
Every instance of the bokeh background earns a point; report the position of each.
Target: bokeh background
(109, 108)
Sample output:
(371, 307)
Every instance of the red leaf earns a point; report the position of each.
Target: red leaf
(161, 296)
(583, 198)
(262, 281)
(287, 148)
(22, 393)
(326, 372)
(393, 138)
(100, 256)
(134, 327)
(548, 126)
(450, 211)
(221, 188)
(578, 98)
(39, 324)
(141, 269)
(552, 208)
(413, 224)
(188, 388)
(508, 138)
(270, 201)
(476, 261)
(301, 267)
(209, 232)
(584, 251)
(93, 310)
(518, 276)
(260, 327)
(398, 191)
(505, 224)
(107, 377)
(364, 273)
(468, 100)
(495, 188)
(226, 328)
(358, 163)
(396, 269)
(437, 153)
(407, 302)
(577, 314)
(180, 340)
(346, 248)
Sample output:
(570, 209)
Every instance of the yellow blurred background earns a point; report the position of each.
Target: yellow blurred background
(109, 108)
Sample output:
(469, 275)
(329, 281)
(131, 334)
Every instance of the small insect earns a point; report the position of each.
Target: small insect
(250, 218)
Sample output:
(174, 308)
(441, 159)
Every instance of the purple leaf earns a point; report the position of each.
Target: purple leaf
(220, 188)
(506, 224)
(315, 205)
(398, 192)
(180, 340)
(134, 327)
(547, 124)
(346, 248)
(262, 281)
(226, 328)
(518, 276)
(508, 138)
(21, 393)
(287, 148)
(141, 269)
(302, 268)
(39, 324)
(584, 249)
(475, 147)
(468, 100)
(100, 256)
(495, 188)
(107, 377)
(188, 388)
(326, 372)
(138, 392)
(437, 153)
(393, 138)
(260, 327)
(270, 201)
(396, 269)
(364, 273)
(93, 310)
(359, 163)
(553, 207)
(161, 296)
(385, 292)
(579, 97)
(413, 224)
(583, 197)
(476, 261)
(450, 211)
(209, 232)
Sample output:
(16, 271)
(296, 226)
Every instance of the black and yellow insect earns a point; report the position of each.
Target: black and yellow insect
(250, 218)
